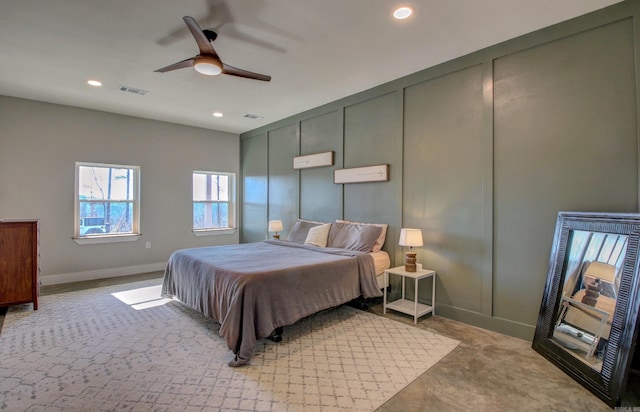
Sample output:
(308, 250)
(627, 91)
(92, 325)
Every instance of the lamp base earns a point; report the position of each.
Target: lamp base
(410, 262)
(276, 236)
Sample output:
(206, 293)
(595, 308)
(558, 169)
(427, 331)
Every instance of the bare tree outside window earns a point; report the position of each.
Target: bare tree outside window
(106, 199)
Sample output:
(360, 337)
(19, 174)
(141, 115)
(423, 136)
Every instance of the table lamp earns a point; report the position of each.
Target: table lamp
(411, 238)
(598, 273)
(275, 226)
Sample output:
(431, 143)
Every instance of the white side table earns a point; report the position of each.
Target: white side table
(406, 306)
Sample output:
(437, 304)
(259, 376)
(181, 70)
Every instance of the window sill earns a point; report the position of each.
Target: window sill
(92, 240)
(214, 232)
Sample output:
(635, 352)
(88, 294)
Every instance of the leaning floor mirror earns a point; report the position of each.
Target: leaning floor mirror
(588, 320)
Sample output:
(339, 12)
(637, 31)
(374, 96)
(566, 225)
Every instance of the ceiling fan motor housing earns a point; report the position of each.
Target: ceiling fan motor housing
(207, 65)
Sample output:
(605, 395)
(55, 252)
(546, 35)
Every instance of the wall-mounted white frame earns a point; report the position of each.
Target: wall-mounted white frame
(377, 173)
(313, 160)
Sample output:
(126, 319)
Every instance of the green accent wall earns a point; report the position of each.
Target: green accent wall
(483, 152)
(254, 188)
(443, 179)
(371, 133)
(320, 199)
(283, 180)
(565, 138)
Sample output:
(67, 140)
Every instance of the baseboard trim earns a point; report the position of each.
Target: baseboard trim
(501, 325)
(101, 273)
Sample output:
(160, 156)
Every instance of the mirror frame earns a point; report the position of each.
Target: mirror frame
(609, 383)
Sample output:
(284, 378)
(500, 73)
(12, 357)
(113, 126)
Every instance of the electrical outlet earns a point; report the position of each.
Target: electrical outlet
(148, 244)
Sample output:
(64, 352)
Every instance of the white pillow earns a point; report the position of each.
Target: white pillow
(317, 235)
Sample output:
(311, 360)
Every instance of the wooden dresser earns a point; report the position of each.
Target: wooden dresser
(19, 262)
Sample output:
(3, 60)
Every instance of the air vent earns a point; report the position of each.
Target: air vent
(133, 90)
(253, 116)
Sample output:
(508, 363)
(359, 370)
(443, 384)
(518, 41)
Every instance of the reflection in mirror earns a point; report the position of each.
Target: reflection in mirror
(590, 311)
(591, 276)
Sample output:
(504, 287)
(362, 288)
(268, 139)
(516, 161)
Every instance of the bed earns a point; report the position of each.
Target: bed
(253, 289)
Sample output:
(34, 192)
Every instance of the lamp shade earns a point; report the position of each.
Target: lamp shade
(410, 237)
(275, 225)
(602, 271)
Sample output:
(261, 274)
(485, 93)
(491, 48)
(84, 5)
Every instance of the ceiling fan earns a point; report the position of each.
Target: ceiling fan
(208, 62)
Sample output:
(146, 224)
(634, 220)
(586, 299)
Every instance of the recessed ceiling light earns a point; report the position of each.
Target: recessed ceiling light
(94, 83)
(217, 114)
(402, 13)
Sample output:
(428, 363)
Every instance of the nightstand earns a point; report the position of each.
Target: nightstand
(406, 306)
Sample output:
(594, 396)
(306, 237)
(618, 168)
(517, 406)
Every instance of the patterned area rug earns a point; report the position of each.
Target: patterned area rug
(124, 348)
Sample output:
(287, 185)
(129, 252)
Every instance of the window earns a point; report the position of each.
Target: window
(107, 200)
(213, 200)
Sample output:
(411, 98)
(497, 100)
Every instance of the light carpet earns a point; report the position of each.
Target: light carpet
(124, 348)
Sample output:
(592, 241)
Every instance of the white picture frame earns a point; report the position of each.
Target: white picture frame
(313, 160)
(377, 173)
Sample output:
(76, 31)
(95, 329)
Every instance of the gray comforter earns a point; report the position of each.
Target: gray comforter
(253, 288)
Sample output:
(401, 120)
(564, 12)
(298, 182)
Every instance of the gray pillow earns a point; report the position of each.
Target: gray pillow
(300, 230)
(354, 237)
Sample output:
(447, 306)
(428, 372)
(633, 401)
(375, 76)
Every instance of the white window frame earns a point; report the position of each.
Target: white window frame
(108, 237)
(231, 204)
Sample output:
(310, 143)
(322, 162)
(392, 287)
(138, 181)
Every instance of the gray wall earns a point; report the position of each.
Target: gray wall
(39, 145)
(483, 151)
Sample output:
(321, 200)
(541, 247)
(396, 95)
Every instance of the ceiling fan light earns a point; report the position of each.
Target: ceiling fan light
(402, 13)
(208, 66)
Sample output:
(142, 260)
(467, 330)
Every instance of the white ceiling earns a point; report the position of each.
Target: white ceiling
(316, 51)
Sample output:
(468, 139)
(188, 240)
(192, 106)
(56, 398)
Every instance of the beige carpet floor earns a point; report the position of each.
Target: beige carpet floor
(122, 347)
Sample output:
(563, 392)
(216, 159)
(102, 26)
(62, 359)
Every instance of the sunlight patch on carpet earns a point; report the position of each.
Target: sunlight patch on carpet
(142, 298)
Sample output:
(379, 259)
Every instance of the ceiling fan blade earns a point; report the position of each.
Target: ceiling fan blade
(234, 71)
(203, 43)
(175, 66)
